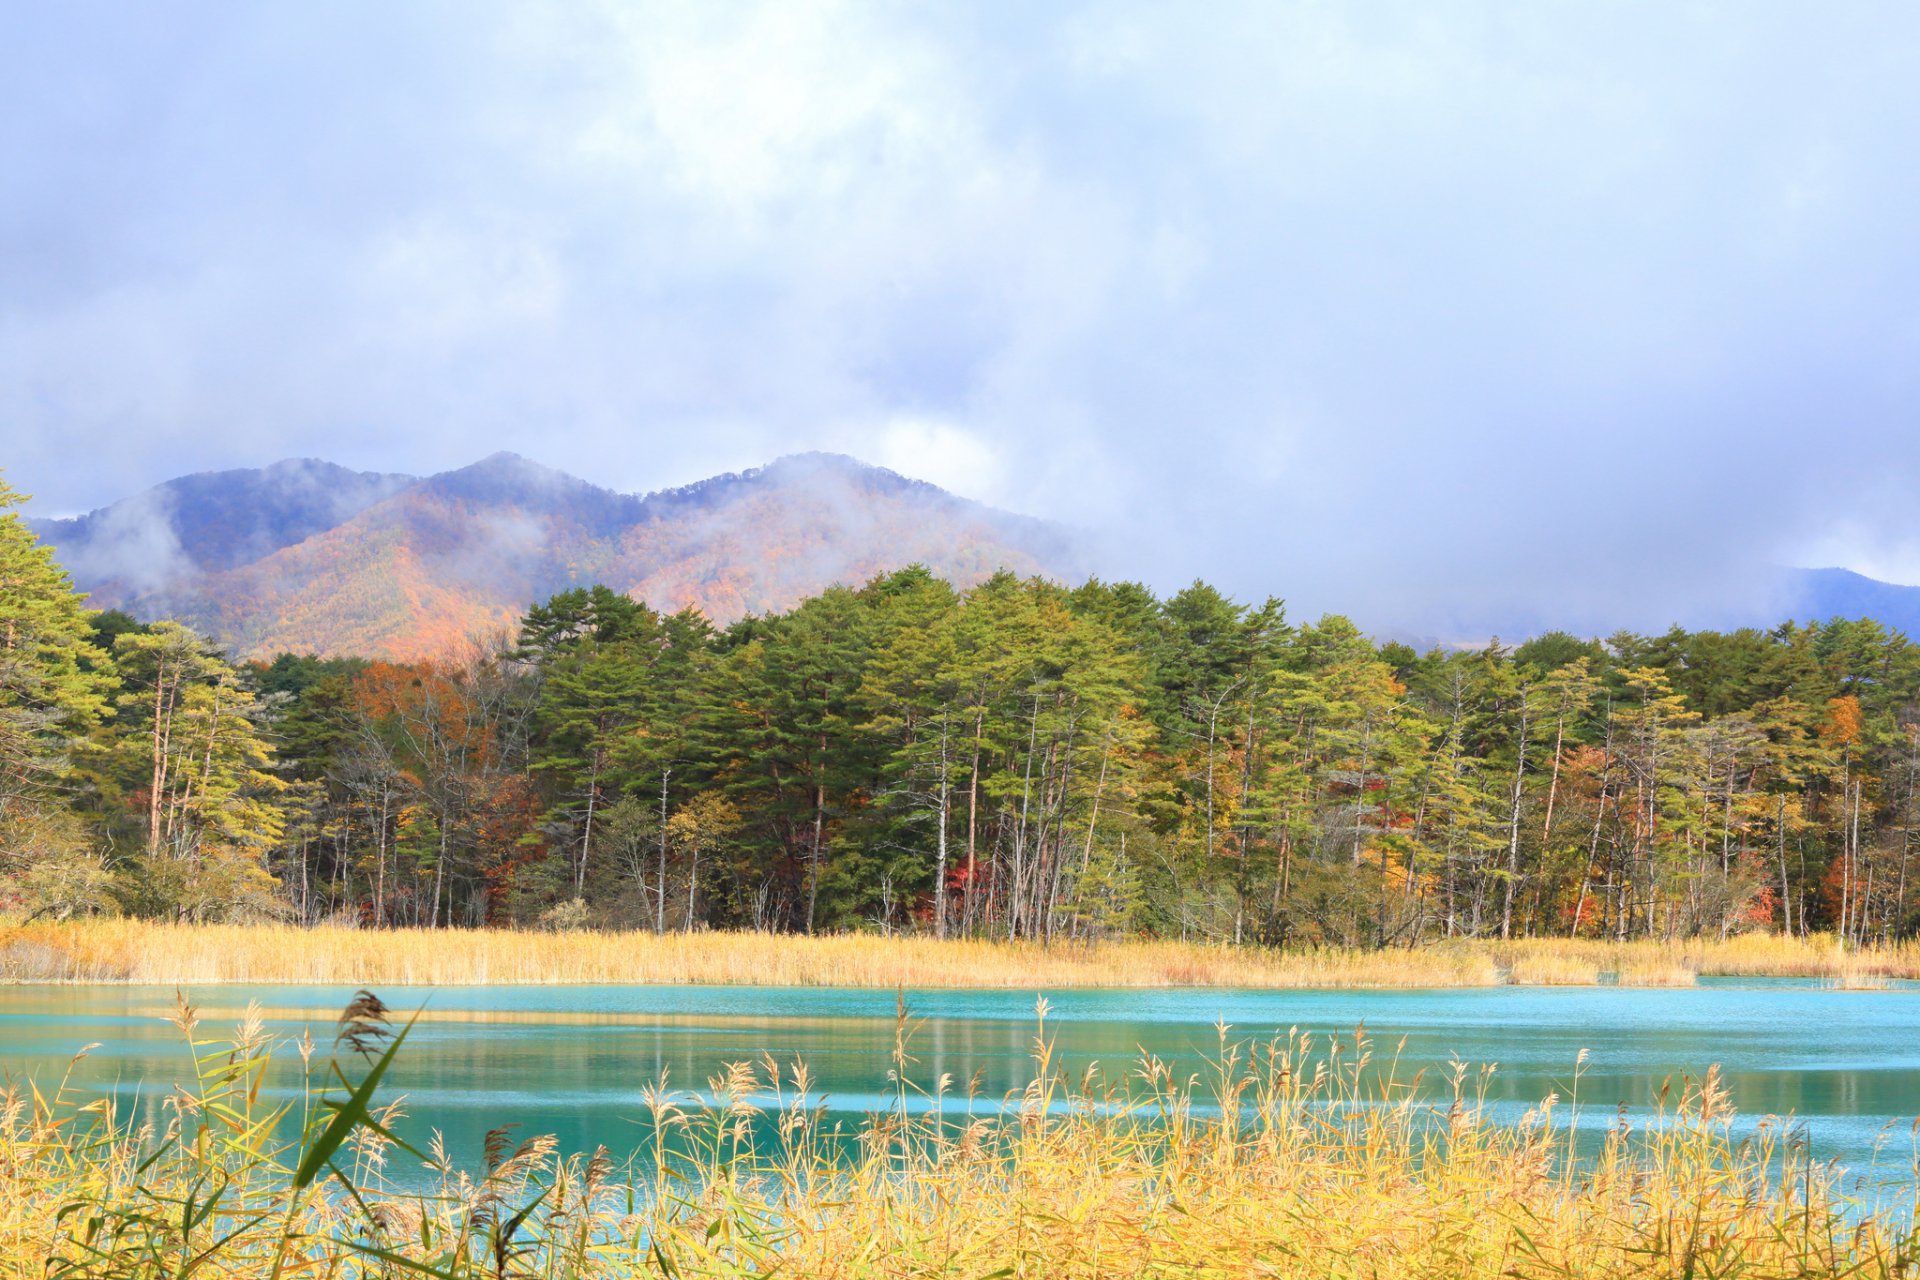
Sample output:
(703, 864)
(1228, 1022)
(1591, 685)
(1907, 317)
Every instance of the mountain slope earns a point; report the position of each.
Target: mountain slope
(421, 567)
(1817, 595)
(211, 521)
(763, 540)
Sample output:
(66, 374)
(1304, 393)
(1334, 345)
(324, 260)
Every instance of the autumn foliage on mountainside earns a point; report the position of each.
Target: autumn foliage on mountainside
(421, 571)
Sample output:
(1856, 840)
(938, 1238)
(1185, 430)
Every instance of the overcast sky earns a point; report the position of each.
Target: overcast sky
(1579, 313)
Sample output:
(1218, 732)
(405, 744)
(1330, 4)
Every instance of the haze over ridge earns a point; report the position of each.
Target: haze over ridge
(304, 555)
(403, 566)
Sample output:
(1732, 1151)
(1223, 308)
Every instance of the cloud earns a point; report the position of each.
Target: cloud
(1452, 318)
(946, 454)
(132, 545)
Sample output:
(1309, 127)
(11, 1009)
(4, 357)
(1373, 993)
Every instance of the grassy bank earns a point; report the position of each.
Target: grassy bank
(145, 952)
(1288, 1158)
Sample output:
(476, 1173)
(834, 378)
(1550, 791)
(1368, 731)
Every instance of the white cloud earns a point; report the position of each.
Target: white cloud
(945, 454)
(441, 283)
(746, 111)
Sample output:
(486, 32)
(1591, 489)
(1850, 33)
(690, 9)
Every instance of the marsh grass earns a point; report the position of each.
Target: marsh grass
(1654, 972)
(150, 952)
(1286, 1157)
(134, 951)
(1542, 968)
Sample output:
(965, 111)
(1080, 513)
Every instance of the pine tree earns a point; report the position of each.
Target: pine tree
(54, 683)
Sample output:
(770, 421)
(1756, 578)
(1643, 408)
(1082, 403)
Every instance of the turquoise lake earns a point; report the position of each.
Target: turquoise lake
(572, 1060)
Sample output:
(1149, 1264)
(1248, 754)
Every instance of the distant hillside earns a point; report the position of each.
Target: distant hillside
(1816, 595)
(308, 556)
(210, 521)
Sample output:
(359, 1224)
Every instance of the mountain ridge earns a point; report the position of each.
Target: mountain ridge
(307, 555)
(1826, 593)
(285, 502)
(409, 566)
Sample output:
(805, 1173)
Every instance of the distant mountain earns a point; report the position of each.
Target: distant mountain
(1815, 595)
(211, 521)
(306, 556)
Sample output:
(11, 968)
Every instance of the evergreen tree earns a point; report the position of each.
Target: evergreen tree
(54, 681)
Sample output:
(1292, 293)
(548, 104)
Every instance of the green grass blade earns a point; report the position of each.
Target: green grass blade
(350, 1113)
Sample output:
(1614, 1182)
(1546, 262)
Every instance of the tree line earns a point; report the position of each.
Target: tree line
(1019, 759)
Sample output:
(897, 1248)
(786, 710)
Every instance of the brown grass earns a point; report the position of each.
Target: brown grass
(145, 952)
(130, 951)
(1538, 967)
(1653, 973)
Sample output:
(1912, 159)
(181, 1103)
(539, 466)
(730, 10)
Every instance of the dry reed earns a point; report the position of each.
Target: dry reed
(1284, 1159)
(147, 952)
(132, 951)
(1542, 968)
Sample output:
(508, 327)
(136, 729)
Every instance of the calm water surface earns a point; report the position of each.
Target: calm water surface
(572, 1060)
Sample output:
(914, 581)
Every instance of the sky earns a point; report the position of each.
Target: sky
(1444, 316)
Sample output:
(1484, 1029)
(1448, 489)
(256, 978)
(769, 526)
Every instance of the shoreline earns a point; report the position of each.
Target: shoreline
(144, 953)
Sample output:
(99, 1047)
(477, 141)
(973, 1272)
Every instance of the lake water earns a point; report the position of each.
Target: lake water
(573, 1060)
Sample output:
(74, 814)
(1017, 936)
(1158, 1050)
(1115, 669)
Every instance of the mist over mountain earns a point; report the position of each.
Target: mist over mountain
(211, 521)
(307, 556)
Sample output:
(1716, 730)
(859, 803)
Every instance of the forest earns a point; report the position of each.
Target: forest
(1020, 759)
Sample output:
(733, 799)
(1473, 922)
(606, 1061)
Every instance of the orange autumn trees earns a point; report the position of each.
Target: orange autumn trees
(433, 776)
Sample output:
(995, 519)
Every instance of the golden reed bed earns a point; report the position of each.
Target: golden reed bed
(1292, 1157)
(129, 951)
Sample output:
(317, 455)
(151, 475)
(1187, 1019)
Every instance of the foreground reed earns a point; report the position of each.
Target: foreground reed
(148, 952)
(1286, 1158)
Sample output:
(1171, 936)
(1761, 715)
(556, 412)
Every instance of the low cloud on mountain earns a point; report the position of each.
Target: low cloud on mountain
(410, 567)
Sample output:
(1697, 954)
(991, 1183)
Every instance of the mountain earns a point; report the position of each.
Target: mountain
(306, 556)
(1816, 595)
(211, 521)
